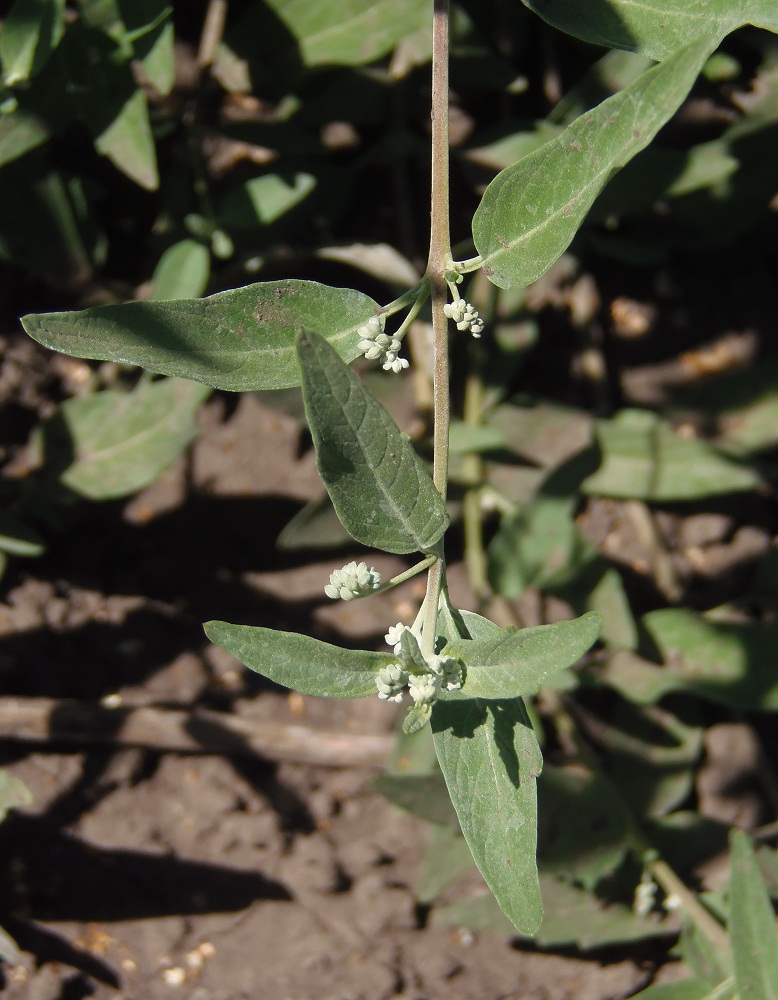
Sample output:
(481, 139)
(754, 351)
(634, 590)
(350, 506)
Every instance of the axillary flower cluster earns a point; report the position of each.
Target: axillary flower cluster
(425, 680)
(377, 345)
(424, 677)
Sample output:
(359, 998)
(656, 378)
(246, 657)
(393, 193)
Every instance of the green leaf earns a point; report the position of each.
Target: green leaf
(13, 793)
(728, 663)
(241, 340)
(114, 443)
(531, 211)
(349, 32)
(315, 526)
(39, 229)
(572, 916)
(751, 925)
(490, 759)
(448, 858)
(20, 132)
(129, 144)
(519, 663)
(654, 27)
(423, 795)
(643, 458)
(265, 199)
(300, 662)
(684, 989)
(29, 35)
(584, 826)
(182, 271)
(379, 486)
(416, 718)
(18, 539)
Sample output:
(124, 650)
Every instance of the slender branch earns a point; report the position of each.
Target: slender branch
(439, 262)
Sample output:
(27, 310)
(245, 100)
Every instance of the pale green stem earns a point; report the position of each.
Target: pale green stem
(418, 293)
(407, 574)
(413, 312)
(465, 266)
(473, 472)
(439, 262)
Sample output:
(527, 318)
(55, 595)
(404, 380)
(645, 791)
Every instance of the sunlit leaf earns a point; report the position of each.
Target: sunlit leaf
(30, 33)
(240, 340)
(490, 759)
(654, 27)
(729, 663)
(300, 662)
(644, 458)
(182, 271)
(265, 199)
(114, 443)
(349, 32)
(517, 663)
(13, 793)
(531, 211)
(379, 486)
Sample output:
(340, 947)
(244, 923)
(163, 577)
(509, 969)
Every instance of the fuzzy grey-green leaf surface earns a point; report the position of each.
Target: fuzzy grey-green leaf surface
(530, 212)
(301, 662)
(519, 663)
(240, 340)
(751, 925)
(490, 759)
(654, 27)
(379, 486)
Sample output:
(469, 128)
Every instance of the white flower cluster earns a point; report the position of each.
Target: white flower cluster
(444, 673)
(465, 316)
(353, 580)
(379, 346)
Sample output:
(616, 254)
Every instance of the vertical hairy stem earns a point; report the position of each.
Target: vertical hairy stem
(439, 261)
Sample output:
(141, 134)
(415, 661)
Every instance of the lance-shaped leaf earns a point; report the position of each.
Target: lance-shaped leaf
(301, 662)
(31, 32)
(490, 760)
(513, 664)
(751, 925)
(379, 486)
(653, 27)
(531, 211)
(240, 340)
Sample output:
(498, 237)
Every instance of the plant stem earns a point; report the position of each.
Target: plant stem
(407, 574)
(439, 262)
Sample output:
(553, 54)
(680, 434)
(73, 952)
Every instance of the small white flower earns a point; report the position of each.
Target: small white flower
(352, 580)
(465, 316)
(379, 346)
(645, 894)
(390, 682)
(393, 636)
(424, 688)
(449, 670)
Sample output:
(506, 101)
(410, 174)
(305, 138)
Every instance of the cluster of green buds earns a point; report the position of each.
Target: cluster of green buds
(353, 580)
(379, 346)
(425, 678)
(465, 316)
